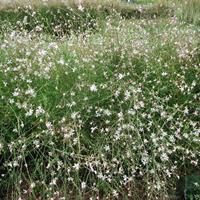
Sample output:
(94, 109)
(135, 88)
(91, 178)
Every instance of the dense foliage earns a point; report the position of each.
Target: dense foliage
(95, 104)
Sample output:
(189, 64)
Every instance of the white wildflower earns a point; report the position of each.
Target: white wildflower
(93, 88)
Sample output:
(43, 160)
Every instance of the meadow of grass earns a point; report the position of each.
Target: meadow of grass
(100, 101)
(190, 11)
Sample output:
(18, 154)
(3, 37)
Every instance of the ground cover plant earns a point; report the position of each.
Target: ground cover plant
(99, 101)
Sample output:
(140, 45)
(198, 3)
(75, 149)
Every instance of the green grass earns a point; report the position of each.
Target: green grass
(108, 109)
(190, 11)
(62, 19)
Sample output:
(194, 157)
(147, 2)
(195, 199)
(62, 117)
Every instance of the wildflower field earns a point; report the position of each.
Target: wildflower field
(100, 100)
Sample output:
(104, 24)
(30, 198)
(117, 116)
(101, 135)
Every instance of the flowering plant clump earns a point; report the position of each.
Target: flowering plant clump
(105, 113)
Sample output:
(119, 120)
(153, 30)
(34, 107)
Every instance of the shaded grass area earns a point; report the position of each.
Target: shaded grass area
(62, 19)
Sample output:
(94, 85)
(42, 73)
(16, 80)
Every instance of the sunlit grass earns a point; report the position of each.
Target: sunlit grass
(190, 11)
